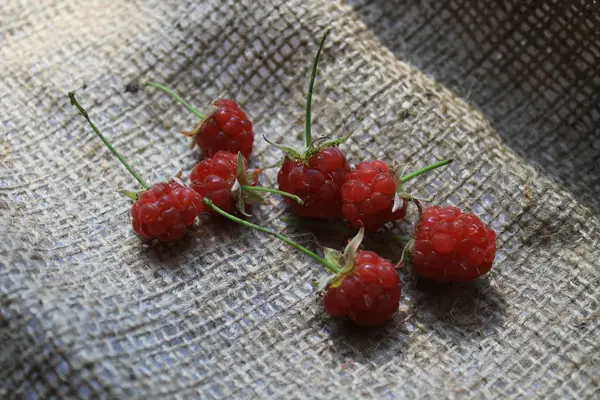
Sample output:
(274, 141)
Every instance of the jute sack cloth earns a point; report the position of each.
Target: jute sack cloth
(509, 89)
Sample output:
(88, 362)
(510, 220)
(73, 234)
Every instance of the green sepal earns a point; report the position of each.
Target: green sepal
(292, 153)
(345, 259)
(332, 255)
(252, 197)
(133, 195)
(323, 283)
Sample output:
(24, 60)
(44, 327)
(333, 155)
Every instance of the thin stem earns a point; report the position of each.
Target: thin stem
(176, 97)
(313, 75)
(270, 190)
(112, 149)
(428, 168)
(330, 266)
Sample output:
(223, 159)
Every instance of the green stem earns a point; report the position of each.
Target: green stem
(270, 190)
(112, 149)
(330, 266)
(428, 168)
(176, 97)
(307, 135)
(402, 238)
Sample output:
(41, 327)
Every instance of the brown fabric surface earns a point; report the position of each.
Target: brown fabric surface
(87, 310)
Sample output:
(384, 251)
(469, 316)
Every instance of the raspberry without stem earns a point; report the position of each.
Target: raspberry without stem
(225, 128)
(164, 211)
(452, 246)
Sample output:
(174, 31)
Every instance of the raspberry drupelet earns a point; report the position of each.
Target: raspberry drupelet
(368, 296)
(163, 211)
(225, 127)
(452, 246)
(368, 196)
(314, 173)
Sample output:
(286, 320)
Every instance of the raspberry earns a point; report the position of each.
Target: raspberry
(316, 181)
(165, 211)
(225, 129)
(452, 246)
(215, 177)
(370, 295)
(368, 196)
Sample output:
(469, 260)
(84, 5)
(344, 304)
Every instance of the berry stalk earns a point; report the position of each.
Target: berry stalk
(308, 134)
(84, 113)
(176, 97)
(270, 190)
(327, 264)
(428, 168)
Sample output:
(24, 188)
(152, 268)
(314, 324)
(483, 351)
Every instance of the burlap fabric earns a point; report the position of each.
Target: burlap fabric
(87, 310)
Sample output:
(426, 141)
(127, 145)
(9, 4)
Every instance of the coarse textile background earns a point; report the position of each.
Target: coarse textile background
(510, 89)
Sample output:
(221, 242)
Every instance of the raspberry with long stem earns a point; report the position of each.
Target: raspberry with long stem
(225, 127)
(315, 173)
(163, 211)
(327, 264)
(363, 286)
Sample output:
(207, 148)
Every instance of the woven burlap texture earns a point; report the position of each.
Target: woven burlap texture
(510, 90)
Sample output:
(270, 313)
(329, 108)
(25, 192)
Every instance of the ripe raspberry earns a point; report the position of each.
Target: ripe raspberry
(225, 129)
(370, 295)
(215, 177)
(452, 246)
(165, 211)
(316, 181)
(368, 196)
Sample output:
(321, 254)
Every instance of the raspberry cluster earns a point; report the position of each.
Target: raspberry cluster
(317, 182)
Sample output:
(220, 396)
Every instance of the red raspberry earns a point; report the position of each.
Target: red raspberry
(214, 178)
(316, 181)
(165, 211)
(451, 246)
(370, 295)
(225, 129)
(368, 196)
